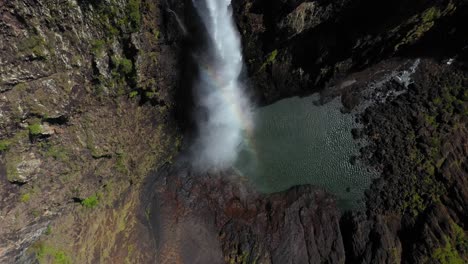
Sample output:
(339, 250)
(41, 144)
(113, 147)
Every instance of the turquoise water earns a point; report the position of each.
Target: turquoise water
(296, 141)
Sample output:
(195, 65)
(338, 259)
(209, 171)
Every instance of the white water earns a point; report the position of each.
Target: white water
(223, 111)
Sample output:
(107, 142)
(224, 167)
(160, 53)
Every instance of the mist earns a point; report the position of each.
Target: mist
(223, 112)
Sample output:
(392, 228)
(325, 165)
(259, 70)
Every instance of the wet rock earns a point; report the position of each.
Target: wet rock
(224, 220)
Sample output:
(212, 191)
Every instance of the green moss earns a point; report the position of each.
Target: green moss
(415, 204)
(98, 47)
(440, 162)
(90, 202)
(58, 153)
(423, 190)
(465, 95)
(430, 14)
(429, 168)
(133, 94)
(423, 23)
(48, 254)
(122, 66)
(11, 169)
(35, 129)
(431, 120)
(415, 155)
(157, 33)
(117, 20)
(5, 144)
(461, 240)
(447, 254)
(125, 66)
(25, 198)
(437, 101)
(134, 15)
(148, 213)
(271, 58)
(34, 45)
(121, 165)
(35, 213)
(48, 230)
(239, 257)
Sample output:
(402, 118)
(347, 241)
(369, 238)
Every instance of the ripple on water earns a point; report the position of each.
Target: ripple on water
(298, 142)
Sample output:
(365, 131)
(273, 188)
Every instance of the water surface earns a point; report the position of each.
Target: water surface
(296, 141)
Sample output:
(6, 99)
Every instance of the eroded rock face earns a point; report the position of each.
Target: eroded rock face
(86, 92)
(415, 213)
(219, 218)
(297, 47)
(86, 101)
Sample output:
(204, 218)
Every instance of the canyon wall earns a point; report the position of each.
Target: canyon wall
(94, 97)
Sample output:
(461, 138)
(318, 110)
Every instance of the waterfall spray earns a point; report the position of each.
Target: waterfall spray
(223, 110)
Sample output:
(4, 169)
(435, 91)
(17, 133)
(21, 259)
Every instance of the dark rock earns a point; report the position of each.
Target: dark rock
(222, 219)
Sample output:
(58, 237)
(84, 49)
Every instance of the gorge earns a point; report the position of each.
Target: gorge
(345, 121)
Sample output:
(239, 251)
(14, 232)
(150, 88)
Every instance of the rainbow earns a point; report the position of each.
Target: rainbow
(242, 113)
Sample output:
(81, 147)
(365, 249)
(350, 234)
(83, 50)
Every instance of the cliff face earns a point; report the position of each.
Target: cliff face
(90, 96)
(297, 47)
(86, 94)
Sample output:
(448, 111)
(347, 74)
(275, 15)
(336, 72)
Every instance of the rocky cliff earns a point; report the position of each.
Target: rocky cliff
(86, 95)
(94, 95)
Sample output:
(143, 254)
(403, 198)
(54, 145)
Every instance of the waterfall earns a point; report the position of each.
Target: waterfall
(223, 111)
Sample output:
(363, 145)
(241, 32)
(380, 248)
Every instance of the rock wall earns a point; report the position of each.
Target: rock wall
(86, 106)
(297, 47)
(220, 218)
(91, 92)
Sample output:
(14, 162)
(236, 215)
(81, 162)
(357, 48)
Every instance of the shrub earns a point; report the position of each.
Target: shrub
(98, 47)
(134, 14)
(133, 94)
(447, 254)
(25, 198)
(34, 45)
(90, 202)
(126, 66)
(4, 145)
(43, 252)
(122, 65)
(35, 129)
(271, 58)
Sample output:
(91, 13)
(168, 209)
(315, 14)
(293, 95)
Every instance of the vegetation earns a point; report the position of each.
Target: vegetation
(121, 163)
(461, 240)
(428, 159)
(447, 254)
(48, 230)
(134, 15)
(11, 169)
(98, 47)
(423, 23)
(431, 120)
(271, 58)
(119, 22)
(35, 129)
(90, 202)
(122, 65)
(34, 45)
(148, 213)
(133, 94)
(57, 152)
(48, 254)
(5, 145)
(25, 198)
